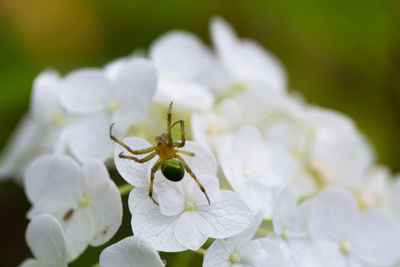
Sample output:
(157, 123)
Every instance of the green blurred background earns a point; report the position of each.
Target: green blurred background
(339, 54)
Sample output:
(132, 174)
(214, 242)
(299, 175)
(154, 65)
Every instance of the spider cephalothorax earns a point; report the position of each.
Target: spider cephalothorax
(172, 165)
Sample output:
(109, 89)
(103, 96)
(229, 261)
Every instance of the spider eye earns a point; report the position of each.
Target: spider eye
(173, 170)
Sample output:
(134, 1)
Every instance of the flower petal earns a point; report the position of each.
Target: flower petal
(88, 138)
(85, 91)
(78, 233)
(227, 217)
(105, 202)
(131, 251)
(333, 215)
(376, 239)
(180, 54)
(135, 84)
(53, 174)
(45, 101)
(133, 172)
(149, 223)
(191, 230)
(45, 238)
(217, 255)
(245, 59)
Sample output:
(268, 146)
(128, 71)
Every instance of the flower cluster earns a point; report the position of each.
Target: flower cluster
(289, 184)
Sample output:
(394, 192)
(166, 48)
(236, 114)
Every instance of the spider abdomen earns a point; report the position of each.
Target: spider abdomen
(173, 170)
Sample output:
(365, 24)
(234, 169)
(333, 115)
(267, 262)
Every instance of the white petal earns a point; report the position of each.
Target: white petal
(217, 255)
(135, 84)
(185, 95)
(133, 172)
(276, 257)
(45, 101)
(45, 238)
(149, 223)
(376, 239)
(180, 54)
(171, 201)
(246, 60)
(53, 174)
(285, 208)
(244, 237)
(228, 217)
(325, 254)
(332, 216)
(88, 138)
(33, 263)
(105, 202)
(132, 251)
(78, 233)
(191, 230)
(86, 91)
(252, 254)
(203, 162)
(22, 148)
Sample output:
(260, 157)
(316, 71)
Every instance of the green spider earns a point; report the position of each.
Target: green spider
(172, 165)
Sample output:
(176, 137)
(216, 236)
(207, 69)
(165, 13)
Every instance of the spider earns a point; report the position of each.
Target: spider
(172, 165)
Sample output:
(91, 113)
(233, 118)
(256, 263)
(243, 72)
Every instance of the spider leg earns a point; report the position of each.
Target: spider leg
(169, 119)
(135, 152)
(147, 158)
(185, 152)
(187, 168)
(155, 167)
(182, 143)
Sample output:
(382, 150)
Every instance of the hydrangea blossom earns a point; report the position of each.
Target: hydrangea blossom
(245, 61)
(40, 130)
(45, 238)
(239, 249)
(343, 236)
(82, 198)
(257, 170)
(181, 59)
(131, 251)
(290, 226)
(265, 139)
(184, 219)
(101, 99)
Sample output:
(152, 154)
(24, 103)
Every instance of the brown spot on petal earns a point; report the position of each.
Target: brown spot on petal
(68, 215)
(105, 230)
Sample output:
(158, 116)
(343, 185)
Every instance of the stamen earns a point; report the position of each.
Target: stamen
(234, 258)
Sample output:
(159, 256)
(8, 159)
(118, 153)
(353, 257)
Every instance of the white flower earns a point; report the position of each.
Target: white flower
(343, 236)
(338, 153)
(290, 226)
(45, 238)
(104, 98)
(376, 190)
(257, 170)
(40, 131)
(184, 219)
(131, 251)
(181, 59)
(82, 198)
(245, 60)
(239, 250)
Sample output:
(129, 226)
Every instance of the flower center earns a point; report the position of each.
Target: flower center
(211, 128)
(61, 120)
(247, 173)
(113, 106)
(83, 201)
(345, 247)
(190, 205)
(234, 258)
(285, 235)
